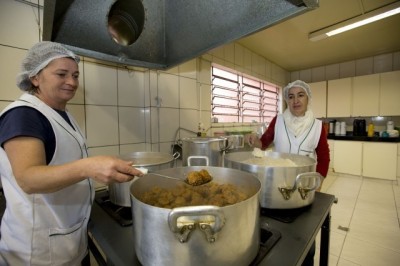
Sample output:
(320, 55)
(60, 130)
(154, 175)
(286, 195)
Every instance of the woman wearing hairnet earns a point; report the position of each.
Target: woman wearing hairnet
(45, 169)
(297, 131)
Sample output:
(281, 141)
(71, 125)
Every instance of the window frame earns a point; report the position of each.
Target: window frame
(250, 99)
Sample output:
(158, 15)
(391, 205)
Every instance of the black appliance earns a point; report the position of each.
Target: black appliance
(359, 127)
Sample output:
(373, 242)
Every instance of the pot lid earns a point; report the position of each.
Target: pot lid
(147, 158)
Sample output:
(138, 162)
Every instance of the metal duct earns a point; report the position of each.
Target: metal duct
(159, 34)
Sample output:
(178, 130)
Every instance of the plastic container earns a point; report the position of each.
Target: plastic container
(371, 130)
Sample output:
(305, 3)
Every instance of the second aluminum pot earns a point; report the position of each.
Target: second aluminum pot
(282, 187)
(197, 235)
(204, 151)
(152, 161)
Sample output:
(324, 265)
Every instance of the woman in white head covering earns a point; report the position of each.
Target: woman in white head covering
(45, 169)
(297, 131)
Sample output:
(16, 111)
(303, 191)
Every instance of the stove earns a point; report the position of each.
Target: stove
(123, 216)
(283, 215)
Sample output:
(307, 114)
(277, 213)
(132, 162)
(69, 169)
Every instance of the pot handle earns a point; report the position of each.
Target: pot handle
(313, 177)
(198, 157)
(183, 220)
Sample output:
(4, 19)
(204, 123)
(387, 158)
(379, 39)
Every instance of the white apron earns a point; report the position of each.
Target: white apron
(47, 229)
(305, 144)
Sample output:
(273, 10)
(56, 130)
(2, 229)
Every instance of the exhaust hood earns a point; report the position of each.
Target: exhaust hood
(159, 34)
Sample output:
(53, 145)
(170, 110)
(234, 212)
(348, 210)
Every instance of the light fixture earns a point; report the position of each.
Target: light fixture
(355, 22)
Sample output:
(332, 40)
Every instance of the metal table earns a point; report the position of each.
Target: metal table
(297, 237)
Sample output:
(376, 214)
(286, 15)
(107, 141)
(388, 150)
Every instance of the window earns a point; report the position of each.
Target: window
(239, 98)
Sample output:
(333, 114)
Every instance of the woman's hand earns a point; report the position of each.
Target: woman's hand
(253, 140)
(109, 169)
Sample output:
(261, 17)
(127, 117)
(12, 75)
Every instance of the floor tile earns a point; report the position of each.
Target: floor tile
(365, 253)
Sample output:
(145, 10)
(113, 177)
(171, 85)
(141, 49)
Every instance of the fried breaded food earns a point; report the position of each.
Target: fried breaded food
(196, 178)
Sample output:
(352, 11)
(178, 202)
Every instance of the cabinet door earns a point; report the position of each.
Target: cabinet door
(380, 160)
(339, 98)
(366, 95)
(390, 94)
(318, 95)
(348, 157)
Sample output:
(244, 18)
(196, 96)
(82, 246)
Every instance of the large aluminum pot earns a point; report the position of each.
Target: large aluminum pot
(282, 187)
(152, 161)
(197, 235)
(204, 151)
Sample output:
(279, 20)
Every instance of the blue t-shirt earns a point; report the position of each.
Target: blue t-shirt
(27, 121)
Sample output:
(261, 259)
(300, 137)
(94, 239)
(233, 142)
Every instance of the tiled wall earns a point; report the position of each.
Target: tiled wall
(364, 66)
(124, 109)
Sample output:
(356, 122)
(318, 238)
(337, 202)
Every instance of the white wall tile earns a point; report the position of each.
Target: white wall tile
(247, 59)
(188, 69)
(19, 24)
(147, 121)
(10, 62)
(131, 89)
(3, 104)
(188, 93)
(204, 75)
(239, 55)
(332, 71)
(131, 125)
(229, 53)
(100, 84)
(153, 90)
(347, 69)
(78, 112)
(396, 61)
(189, 119)
(168, 90)
(205, 97)
(169, 123)
(365, 66)
(383, 63)
(318, 74)
(101, 125)
(128, 148)
(154, 122)
(306, 75)
(295, 75)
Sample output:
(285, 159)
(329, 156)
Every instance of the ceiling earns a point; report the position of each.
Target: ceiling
(287, 45)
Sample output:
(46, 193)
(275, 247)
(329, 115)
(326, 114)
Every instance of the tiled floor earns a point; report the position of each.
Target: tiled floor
(365, 222)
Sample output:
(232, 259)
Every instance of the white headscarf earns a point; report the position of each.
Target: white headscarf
(298, 124)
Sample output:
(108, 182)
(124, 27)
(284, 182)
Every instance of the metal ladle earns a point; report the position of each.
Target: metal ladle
(186, 181)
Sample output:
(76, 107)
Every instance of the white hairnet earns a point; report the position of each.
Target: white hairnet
(38, 57)
(297, 84)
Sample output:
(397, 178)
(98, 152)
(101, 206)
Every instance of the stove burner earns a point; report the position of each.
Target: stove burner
(121, 214)
(268, 239)
(283, 215)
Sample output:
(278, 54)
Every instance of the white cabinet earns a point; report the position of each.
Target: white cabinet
(390, 94)
(379, 160)
(365, 95)
(339, 98)
(348, 157)
(318, 96)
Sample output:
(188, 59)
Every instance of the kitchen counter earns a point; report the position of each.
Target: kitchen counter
(116, 241)
(364, 138)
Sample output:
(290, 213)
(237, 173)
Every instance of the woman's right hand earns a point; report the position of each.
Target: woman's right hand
(253, 140)
(109, 169)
